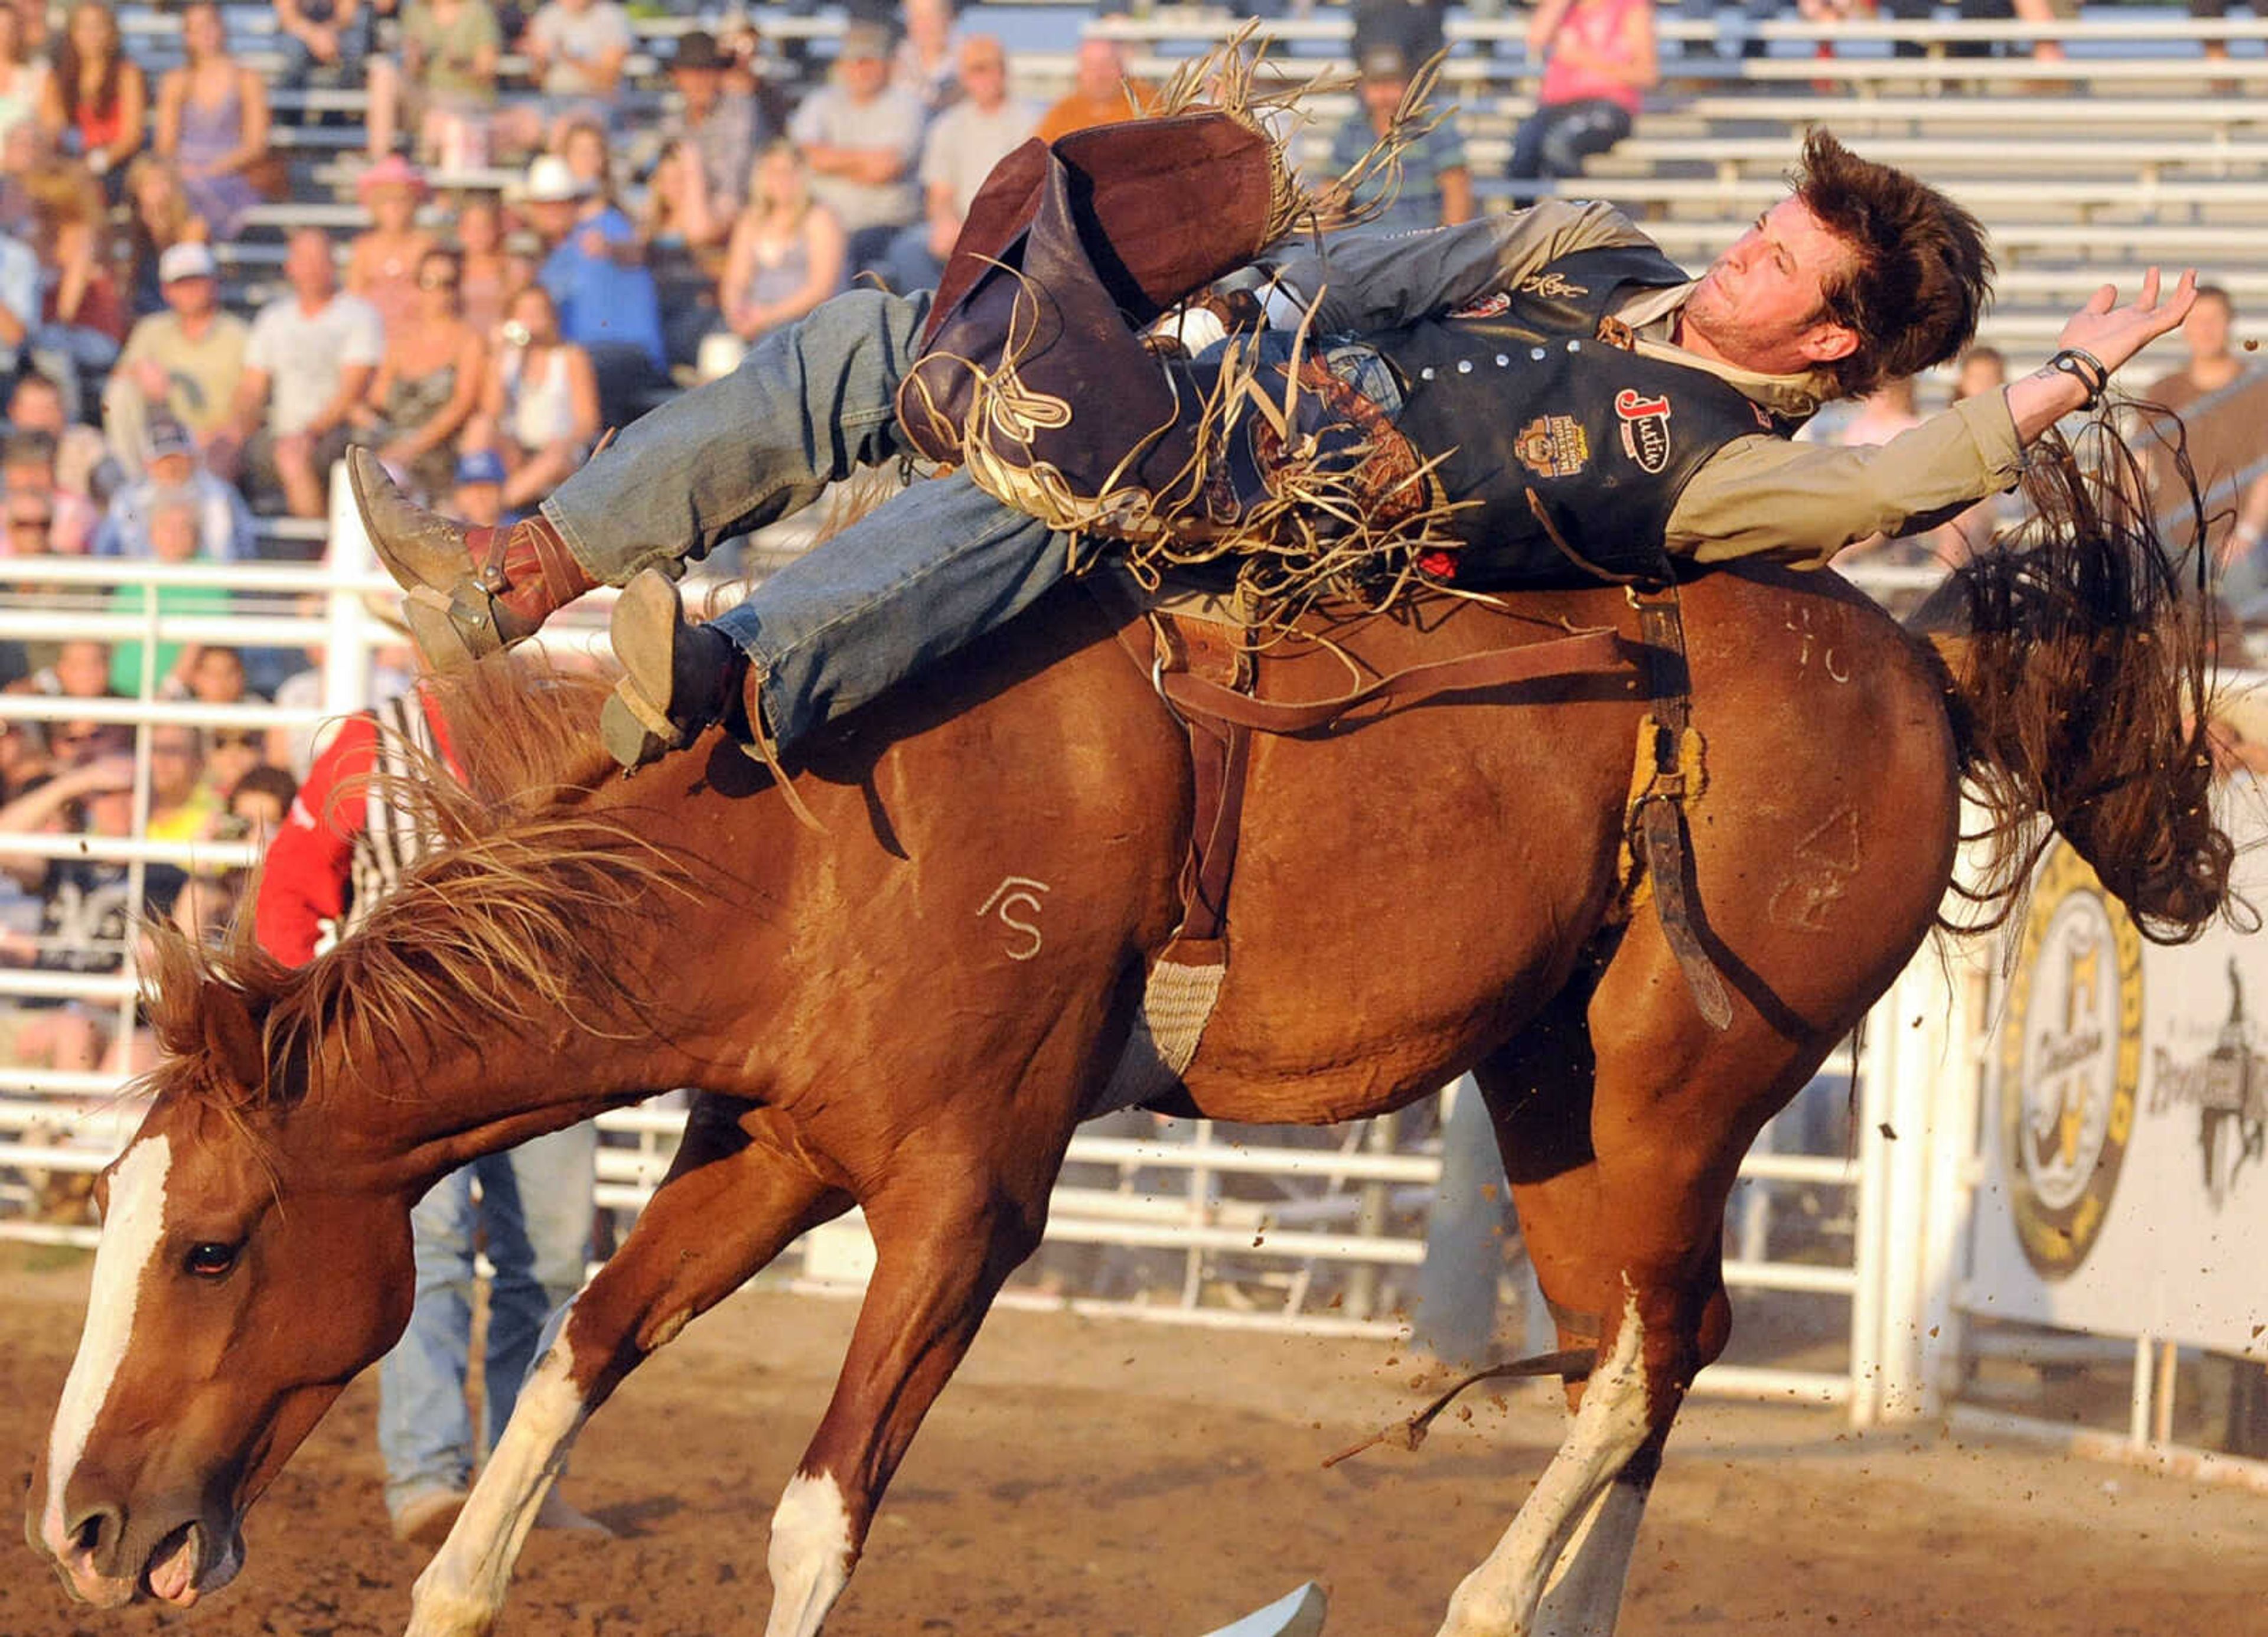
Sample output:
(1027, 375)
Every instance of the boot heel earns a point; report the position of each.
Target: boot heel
(446, 640)
(624, 730)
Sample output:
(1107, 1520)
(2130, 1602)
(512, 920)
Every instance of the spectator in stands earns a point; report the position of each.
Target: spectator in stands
(1981, 369)
(1430, 184)
(1415, 27)
(487, 273)
(172, 476)
(78, 463)
(964, 143)
(308, 363)
(581, 141)
(603, 293)
(30, 464)
(217, 678)
(83, 315)
(2222, 403)
(79, 669)
(540, 407)
(383, 262)
(450, 49)
(173, 540)
(158, 216)
(787, 254)
(1599, 61)
(261, 799)
(98, 102)
(23, 73)
(577, 49)
(212, 122)
(322, 40)
(478, 496)
(928, 60)
(19, 301)
(87, 910)
(188, 359)
(862, 137)
(1101, 93)
(719, 127)
(427, 385)
(31, 519)
(183, 806)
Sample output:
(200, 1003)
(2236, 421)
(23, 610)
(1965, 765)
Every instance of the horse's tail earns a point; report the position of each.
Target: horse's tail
(2080, 669)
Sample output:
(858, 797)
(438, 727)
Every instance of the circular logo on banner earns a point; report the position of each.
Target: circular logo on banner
(2071, 1059)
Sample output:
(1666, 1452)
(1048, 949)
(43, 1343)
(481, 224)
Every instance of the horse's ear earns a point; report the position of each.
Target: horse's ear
(232, 1036)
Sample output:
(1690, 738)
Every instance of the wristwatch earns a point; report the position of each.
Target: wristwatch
(2085, 368)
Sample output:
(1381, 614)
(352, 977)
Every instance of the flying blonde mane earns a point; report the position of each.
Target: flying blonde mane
(494, 921)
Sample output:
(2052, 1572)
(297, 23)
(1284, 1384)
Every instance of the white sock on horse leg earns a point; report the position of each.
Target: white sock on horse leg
(463, 1587)
(1499, 1598)
(1583, 1595)
(810, 1555)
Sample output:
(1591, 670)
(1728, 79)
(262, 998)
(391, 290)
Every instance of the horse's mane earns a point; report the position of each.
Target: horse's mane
(490, 920)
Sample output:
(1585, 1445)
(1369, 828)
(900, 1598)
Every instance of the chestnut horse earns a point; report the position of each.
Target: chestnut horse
(1422, 890)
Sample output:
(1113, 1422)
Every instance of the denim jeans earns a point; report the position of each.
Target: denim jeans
(534, 1222)
(941, 565)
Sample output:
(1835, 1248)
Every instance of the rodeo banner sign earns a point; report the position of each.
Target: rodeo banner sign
(2126, 1185)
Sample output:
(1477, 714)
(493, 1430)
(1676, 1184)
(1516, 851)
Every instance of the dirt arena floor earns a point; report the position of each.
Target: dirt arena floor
(1086, 1479)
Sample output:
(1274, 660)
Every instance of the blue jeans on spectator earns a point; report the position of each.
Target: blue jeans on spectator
(1555, 140)
(534, 1222)
(910, 263)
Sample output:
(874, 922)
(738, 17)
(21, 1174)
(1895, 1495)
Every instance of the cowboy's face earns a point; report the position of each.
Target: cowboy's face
(1762, 305)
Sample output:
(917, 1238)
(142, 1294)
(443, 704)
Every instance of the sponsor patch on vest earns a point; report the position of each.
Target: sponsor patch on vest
(1486, 307)
(1554, 446)
(1551, 286)
(1645, 428)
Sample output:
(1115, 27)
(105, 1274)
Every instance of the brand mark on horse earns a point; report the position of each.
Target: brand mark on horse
(1826, 859)
(1799, 620)
(1645, 428)
(1017, 893)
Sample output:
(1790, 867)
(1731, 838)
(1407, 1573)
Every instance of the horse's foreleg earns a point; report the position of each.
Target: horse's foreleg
(731, 1201)
(945, 1242)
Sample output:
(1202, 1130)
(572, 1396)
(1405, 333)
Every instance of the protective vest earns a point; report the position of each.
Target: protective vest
(1537, 416)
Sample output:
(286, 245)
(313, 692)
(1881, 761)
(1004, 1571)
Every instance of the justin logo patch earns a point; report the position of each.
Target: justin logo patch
(1645, 428)
(1486, 307)
(1553, 446)
(1551, 286)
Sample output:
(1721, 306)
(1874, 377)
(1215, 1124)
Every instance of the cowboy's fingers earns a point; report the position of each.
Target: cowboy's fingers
(2148, 300)
(2104, 299)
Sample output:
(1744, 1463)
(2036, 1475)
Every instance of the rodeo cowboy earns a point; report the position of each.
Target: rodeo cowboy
(1524, 399)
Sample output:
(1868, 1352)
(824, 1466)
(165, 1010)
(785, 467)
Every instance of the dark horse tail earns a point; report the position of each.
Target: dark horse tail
(2080, 679)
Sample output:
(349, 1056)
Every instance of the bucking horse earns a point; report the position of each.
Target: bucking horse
(1641, 958)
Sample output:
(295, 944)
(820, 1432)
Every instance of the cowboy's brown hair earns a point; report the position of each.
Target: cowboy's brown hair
(1920, 274)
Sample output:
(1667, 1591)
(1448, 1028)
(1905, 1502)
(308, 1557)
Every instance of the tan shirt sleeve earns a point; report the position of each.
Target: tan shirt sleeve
(1803, 502)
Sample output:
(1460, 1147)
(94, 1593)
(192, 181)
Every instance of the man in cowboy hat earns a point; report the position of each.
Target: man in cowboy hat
(1582, 388)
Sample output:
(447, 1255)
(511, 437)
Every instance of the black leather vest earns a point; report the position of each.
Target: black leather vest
(1526, 399)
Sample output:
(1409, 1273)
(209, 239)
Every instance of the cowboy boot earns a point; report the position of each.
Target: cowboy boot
(679, 678)
(469, 591)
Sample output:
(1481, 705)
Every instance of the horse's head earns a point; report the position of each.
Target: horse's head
(249, 1268)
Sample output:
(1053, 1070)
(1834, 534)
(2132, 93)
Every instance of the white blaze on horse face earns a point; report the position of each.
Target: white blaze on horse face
(810, 1554)
(131, 1229)
(1499, 1598)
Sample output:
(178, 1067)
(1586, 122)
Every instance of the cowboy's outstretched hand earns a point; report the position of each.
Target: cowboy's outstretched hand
(2115, 333)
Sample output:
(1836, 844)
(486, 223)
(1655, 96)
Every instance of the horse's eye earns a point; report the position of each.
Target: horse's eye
(211, 1260)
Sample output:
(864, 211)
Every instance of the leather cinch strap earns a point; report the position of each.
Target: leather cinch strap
(1601, 651)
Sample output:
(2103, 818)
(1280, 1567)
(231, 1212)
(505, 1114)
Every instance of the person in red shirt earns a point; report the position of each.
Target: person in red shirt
(342, 848)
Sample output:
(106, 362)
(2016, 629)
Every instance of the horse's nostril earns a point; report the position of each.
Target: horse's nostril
(93, 1532)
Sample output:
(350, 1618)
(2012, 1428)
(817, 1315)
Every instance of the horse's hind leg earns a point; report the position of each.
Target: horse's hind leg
(948, 1229)
(1620, 1153)
(732, 1200)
